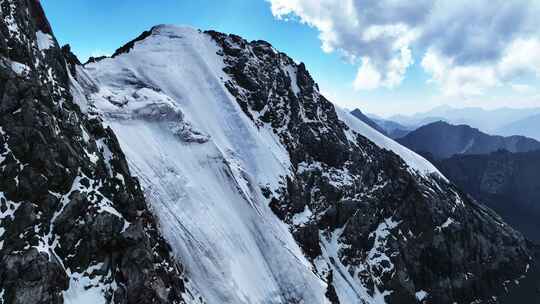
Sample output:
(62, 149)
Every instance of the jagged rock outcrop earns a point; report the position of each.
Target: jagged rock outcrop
(74, 224)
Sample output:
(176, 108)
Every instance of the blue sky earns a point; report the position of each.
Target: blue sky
(99, 27)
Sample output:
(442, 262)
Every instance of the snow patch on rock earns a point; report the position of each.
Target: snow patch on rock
(44, 41)
(421, 295)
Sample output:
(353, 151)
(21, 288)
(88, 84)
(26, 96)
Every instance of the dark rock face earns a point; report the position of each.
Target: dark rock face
(529, 288)
(72, 219)
(444, 140)
(507, 182)
(379, 226)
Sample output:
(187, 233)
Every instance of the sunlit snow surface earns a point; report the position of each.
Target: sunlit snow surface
(207, 195)
(202, 163)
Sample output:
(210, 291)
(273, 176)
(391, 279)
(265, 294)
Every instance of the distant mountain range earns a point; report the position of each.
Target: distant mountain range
(444, 140)
(508, 182)
(503, 121)
(529, 126)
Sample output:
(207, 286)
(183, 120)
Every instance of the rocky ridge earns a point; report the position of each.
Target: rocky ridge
(74, 224)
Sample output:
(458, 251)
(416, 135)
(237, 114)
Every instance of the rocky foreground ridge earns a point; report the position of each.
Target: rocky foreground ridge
(71, 214)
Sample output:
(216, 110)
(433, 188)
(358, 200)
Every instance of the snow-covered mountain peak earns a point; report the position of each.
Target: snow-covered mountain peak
(179, 76)
(251, 186)
(225, 134)
(187, 58)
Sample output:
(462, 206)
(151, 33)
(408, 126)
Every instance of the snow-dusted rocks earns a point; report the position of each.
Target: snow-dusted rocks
(74, 225)
(44, 41)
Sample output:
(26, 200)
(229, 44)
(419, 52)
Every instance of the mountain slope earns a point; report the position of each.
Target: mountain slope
(203, 164)
(74, 224)
(443, 140)
(529, 126)
(358, 114)
(226, 134)
(507, 182)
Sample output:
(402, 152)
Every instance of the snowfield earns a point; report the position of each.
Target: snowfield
(207, 195)
(202, 163)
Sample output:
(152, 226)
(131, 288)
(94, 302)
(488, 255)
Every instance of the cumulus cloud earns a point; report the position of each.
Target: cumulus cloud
(367, 77)
(521, 57)
(516, 60)
(466, 46)
(462, 81)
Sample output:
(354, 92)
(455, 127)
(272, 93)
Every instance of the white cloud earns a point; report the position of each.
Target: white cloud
(466, 46)
(522, 88)
(458, 81)
(344, 27)
(521, 57)
(517, 59)
(367, 77)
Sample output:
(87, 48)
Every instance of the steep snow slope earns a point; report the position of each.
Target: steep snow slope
(415, 161)
(225, 135)
(207, 193)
